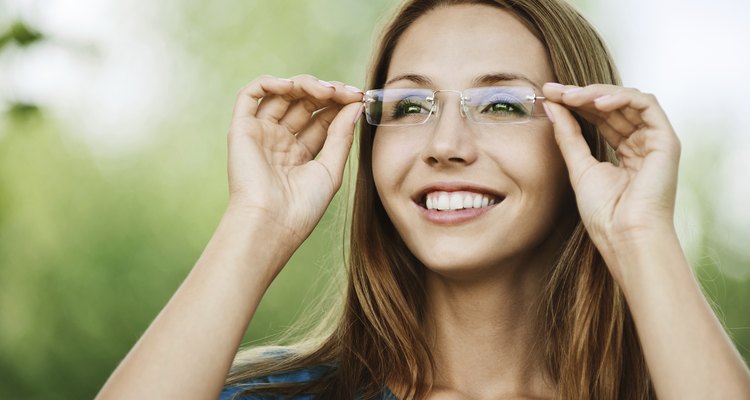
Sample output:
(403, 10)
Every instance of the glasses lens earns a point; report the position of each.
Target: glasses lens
(500, 104)
(398, 106)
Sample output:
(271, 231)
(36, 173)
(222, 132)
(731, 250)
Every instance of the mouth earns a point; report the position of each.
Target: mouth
(455, 200)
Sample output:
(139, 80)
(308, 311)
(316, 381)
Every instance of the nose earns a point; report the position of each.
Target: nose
(451, 140)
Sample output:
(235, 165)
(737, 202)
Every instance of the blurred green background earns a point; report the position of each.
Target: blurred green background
(113, 119)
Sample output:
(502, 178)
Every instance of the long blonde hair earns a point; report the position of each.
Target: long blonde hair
(590, 342)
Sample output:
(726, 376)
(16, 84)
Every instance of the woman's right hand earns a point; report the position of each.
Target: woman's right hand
(278, 189)
(288, 145)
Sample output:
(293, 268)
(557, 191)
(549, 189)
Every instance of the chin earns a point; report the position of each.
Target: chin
(462, 258)
(460, 263)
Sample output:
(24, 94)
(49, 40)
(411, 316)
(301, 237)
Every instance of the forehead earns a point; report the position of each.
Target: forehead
(452, 46)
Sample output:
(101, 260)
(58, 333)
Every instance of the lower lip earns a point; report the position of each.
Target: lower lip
(454, 217)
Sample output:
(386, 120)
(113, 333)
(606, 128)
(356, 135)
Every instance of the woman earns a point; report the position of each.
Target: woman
(498, 248)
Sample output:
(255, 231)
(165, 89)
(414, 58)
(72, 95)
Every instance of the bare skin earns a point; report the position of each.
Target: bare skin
(278, 193)
(479, 292)
(483, 275)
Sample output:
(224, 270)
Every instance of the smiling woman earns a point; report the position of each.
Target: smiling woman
(512, 232)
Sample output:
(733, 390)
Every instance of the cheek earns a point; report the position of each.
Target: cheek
(391, 158)
(533, 161)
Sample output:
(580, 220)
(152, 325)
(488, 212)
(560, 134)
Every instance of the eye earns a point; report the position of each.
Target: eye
(409, 106)
(505, 106)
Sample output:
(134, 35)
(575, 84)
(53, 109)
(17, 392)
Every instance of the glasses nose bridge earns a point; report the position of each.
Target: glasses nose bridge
(461, 106)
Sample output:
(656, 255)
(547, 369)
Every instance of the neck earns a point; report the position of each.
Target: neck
(484, 333)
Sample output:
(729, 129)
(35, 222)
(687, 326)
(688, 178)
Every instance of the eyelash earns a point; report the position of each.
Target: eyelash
(515, 108)
(398, 111)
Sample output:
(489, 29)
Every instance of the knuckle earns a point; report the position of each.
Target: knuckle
(245, 89)
(650, 98)
(304, 77)
(626, 91)
(250, 87)
(261, 80)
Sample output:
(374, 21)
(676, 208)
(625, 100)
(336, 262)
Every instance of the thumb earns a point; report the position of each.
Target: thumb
(336, 148)
(573, 146)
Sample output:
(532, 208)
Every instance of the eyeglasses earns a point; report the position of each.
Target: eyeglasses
(482, 105)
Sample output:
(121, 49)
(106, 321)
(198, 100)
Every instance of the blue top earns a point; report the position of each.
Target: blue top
(303, 375)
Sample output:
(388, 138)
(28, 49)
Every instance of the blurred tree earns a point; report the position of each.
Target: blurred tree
(91, 247)
(21, 34)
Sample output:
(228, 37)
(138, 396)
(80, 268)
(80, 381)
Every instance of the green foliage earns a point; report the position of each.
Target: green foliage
(21, 34)
(92, 246)
(22, 111)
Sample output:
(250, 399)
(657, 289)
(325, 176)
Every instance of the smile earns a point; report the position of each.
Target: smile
(460, 200)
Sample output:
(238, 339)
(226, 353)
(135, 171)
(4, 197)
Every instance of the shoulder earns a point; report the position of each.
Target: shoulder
(302, 375)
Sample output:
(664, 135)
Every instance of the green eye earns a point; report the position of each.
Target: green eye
(407, 106)
(505, 108)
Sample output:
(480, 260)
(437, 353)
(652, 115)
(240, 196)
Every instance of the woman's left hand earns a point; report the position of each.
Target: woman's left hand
(626, 203)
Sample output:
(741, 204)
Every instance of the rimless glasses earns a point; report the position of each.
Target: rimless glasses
(482, 105)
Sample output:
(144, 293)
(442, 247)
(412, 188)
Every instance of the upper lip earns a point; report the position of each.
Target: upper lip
(419, 196)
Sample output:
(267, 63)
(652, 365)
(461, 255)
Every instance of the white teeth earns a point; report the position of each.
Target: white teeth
(443, 202)
(457, 200)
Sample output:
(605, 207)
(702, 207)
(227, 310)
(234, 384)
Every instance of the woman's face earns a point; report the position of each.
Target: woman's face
(516, 166)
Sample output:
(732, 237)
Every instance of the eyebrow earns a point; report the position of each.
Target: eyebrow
(486, 79)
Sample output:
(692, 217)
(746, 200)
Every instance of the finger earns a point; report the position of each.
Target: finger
(573, 146)
(617, 121)
(309, 85)
(553, 91)
(298, 115)
(314, 135)
(305, 86)
(346, 94)
(622, 99)
(583, 100)
(250, 95)
(644, 104)
(576, 96)
(614, 120)
(609, 134)
(272, 108)
(336, 148)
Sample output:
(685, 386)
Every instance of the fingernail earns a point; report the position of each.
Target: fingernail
(573, 90)
(353, 88)
(548, 112)
(359, 114)
(326, 84)
(554, 85)
(284, 79)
